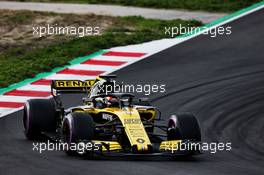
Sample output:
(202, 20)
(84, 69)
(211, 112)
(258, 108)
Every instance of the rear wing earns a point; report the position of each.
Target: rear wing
(71, 86)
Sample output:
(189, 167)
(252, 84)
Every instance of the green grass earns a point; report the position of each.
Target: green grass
(205, 5)
(20, 63)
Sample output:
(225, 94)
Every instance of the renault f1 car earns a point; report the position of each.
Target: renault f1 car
(116, 124)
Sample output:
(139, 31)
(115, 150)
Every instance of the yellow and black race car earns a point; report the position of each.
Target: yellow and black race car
(109, 123)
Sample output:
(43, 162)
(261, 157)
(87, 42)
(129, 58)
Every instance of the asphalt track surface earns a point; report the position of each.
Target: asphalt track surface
(219, 79)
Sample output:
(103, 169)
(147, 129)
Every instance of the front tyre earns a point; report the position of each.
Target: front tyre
(76, 128)
(183, 126)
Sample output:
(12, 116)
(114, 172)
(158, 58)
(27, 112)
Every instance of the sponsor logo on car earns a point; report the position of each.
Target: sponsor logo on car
(107, 116)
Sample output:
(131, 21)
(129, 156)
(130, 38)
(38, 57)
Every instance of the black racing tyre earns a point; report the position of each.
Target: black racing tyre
(77, 127)
(39, 116)
(183, 126)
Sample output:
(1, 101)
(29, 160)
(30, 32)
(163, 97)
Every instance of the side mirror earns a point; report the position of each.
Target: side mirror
(143, 100)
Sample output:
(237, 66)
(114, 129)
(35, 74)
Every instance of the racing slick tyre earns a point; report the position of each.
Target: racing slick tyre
(39, 116)
(183, 126)
(76, 128)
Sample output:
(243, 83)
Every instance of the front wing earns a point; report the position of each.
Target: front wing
(165, 149)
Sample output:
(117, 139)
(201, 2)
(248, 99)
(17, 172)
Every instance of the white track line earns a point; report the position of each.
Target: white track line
(69, 77)
(29, 87)
(150, 47)
(115, 58)
(11, 98)
(4, 110)
(93, 67)
(7, 111)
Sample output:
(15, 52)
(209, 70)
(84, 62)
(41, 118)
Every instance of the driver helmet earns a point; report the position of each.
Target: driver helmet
(100, 102)
(111, 101)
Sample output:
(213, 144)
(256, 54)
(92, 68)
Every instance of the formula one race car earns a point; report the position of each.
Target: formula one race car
(111, 123)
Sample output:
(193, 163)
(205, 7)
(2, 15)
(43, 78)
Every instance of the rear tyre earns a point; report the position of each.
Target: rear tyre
(184, 126)
(76, 128)
(39, 116)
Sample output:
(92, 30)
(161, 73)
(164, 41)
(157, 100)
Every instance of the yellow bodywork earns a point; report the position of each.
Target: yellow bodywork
(129, 116)
(172, 145)
(134, 128)
(112, 145)
(131, 121)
